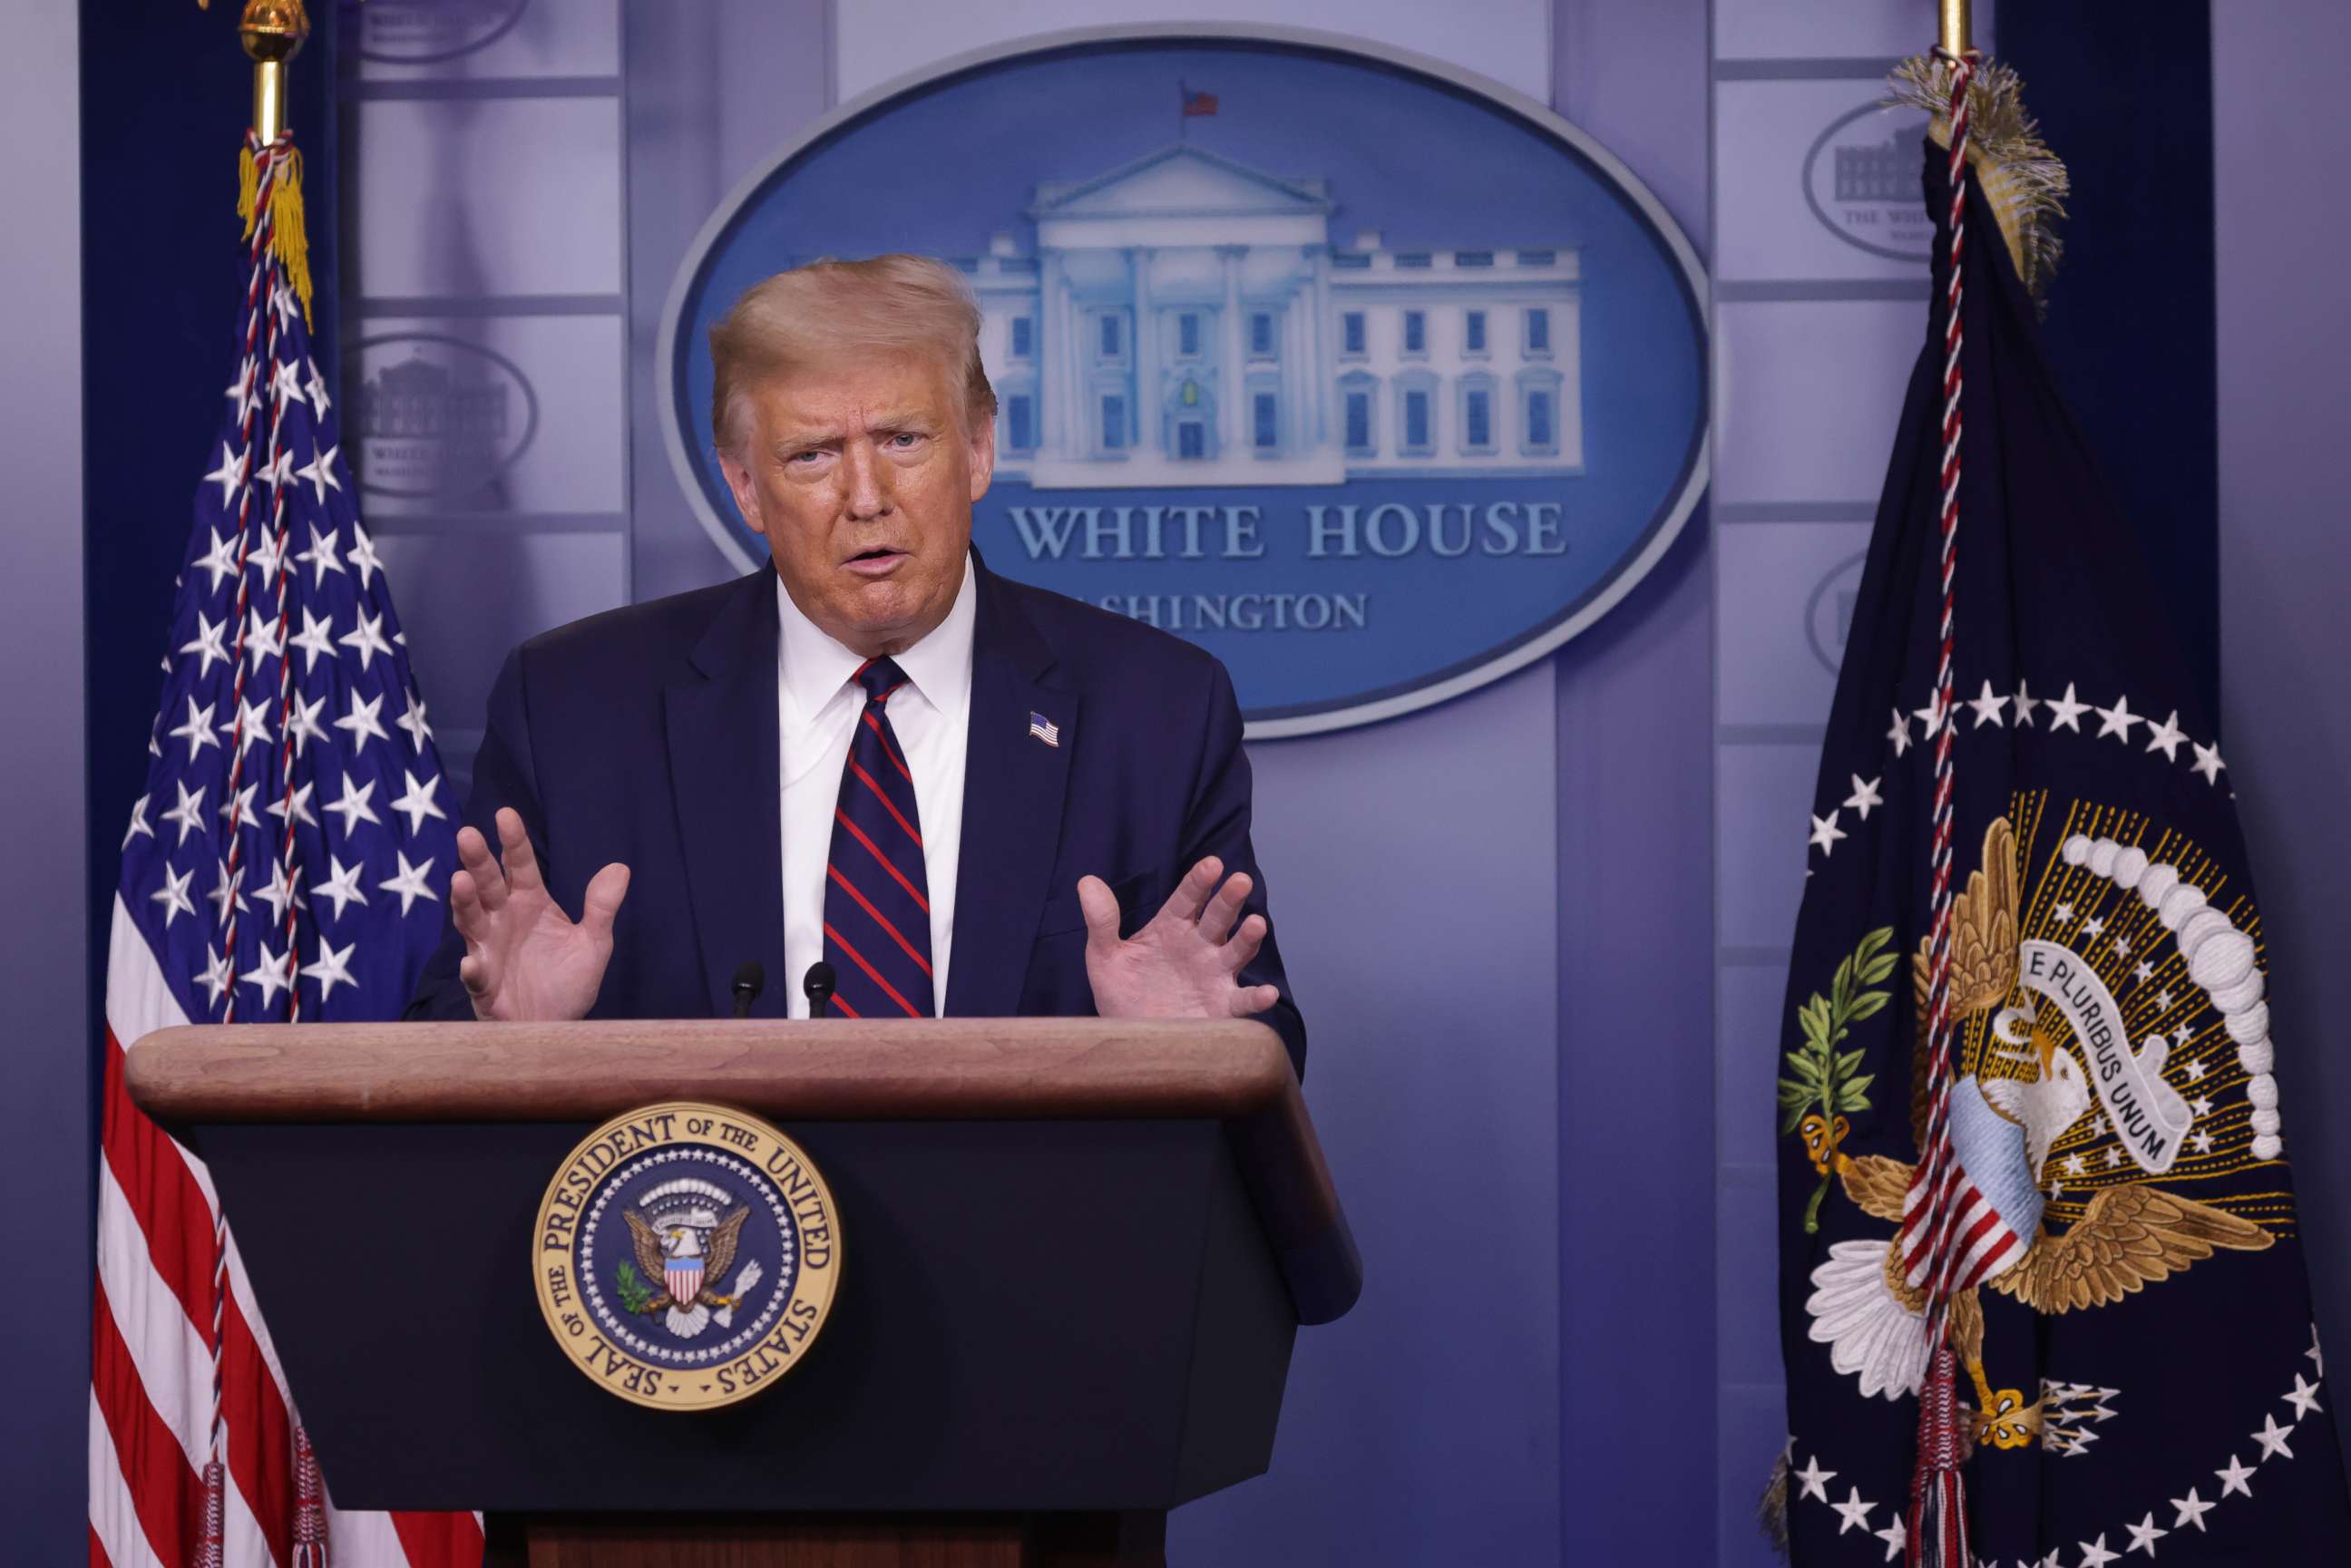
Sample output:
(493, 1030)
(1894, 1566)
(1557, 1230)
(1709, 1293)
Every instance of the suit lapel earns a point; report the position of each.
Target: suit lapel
(721, 717)
(1013, 786)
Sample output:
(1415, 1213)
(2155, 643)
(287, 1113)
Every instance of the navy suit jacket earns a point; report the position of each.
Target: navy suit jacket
(647, 735)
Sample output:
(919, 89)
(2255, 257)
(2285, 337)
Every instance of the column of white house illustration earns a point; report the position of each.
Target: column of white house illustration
(1186, 320)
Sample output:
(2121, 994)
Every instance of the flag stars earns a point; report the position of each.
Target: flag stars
(1987, 705)
(2304, 1398)
(315, 640)
(230, 474)
(319, 472)
(2207, 762)
(188, 814)
(2094, 926)
(1853, 1512)
(2117, 720)
(220, 561)
(2272, 1439)
(331, 968)
(241, 391)
(362, 556)
(173, 895)
(211, 642)
(2066, 714)
(2144, 1534)
(2201, 1105)
(2122, 947)
(367, 639)
(2142, 972)
(2064, 913)
(342, 885)
(1900, 733)
(279, 892)
(2025, 703)
(361, 720)
(411, 883)
(317, 387)
(417, 803)
(273, 973)
(286, 382)
(1864, 795)
(2163, 1002)
(2074, 1165)
(298, 803)
(278, 470)
(321, 557)
(1813, 1480)
(2114, 1157)
(213, 977)
(138, 822)
(237, 812)
(266, 556)
(264, 638)
(2094, 1553)
(1932, 715)
(2234, 1478)
(1896, 1535)
(1825, 834)
(353, 807)
(198, 729)
(2315, 1356)
(249, 728)
(2201, 1142)
(226, 895)
(302, 726)
(420, 733)
(2165, 738)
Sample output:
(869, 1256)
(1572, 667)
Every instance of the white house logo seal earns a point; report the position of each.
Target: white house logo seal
(685, 1256)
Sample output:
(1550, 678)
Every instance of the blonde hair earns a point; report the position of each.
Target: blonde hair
(830, 311)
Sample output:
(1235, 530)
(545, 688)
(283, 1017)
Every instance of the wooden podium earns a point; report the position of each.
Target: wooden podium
(1075, 1252)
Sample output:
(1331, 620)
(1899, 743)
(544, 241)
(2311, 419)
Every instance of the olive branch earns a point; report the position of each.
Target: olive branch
(1822, 1078)
(635, 1294)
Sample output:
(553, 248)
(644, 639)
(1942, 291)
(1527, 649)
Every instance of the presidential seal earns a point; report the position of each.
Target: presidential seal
(687, 1256)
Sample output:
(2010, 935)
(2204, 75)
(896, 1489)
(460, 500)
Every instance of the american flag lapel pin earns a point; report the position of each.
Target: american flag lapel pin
(1045, 729)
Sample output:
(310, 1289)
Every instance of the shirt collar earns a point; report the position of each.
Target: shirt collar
(816, 669)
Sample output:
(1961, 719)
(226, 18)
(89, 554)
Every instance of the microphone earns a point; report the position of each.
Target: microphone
(818, 986)
(749, 981)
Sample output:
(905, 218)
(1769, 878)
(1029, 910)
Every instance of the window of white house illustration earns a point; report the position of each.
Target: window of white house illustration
(1265, 423)
(1260, 327)
(1476, 414)
(1539, 413)
(1351, 334)
(1191, 438)
(1023, 338)
(1187, 335)
(1019, 422)
(1416, 332)
(1114, 420)
(1356, 393)
(1538, 332)
(1473, 332)
(1112, 340)
(1417, 410)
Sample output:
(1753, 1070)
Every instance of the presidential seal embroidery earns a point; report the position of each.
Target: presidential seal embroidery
(687, 1256)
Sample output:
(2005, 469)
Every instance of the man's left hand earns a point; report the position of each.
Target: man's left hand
(1186, 963)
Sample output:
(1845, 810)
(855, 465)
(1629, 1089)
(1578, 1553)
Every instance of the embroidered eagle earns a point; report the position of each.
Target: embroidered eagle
(689, 1274)
(1864, 1305)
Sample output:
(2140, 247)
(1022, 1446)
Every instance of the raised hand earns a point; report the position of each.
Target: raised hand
(525, 959)
(1185, 963)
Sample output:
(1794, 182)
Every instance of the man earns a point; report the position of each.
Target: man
(964, 795)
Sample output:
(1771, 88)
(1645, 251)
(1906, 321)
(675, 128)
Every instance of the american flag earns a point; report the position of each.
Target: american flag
(287, 862)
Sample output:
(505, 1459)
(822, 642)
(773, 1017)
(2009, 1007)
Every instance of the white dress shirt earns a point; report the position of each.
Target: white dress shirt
(817, 706)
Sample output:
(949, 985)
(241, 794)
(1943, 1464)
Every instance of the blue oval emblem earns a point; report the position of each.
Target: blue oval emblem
(1377, 380)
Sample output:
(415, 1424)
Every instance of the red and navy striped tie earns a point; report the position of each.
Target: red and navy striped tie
(877, 905)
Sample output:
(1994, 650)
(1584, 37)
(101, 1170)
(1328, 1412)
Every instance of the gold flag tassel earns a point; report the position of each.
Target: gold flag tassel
(288, 239)
(2023, 183)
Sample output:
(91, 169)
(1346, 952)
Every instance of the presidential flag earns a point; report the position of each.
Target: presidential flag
(287, 861)
(2042, 1298)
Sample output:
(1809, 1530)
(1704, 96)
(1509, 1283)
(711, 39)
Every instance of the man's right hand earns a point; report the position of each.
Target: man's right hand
(525, 959)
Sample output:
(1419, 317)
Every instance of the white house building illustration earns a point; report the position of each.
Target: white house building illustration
(1186, 320)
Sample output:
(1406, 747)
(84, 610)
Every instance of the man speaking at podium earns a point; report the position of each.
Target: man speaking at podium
(879, 756)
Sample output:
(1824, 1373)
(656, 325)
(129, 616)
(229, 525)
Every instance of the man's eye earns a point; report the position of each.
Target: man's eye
(804, 458)
(906, 439)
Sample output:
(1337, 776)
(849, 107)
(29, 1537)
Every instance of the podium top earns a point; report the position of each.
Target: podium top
(805, 1070)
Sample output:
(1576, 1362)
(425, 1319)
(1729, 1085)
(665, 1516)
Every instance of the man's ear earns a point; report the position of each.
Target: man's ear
(747, 494)
(982, 455)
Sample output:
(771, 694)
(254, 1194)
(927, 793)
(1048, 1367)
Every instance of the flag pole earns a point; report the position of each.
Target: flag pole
(1956, 41)
(273, 31)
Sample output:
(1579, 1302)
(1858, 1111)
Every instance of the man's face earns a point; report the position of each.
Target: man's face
(862, 478)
